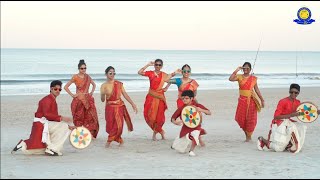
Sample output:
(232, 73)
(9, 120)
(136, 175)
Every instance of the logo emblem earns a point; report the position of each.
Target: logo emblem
(304, 16)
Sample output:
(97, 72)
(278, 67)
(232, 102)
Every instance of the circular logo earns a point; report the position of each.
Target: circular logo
(304, 14)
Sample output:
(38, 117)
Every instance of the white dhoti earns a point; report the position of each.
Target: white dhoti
(182, 144)
(285, 133)
(57, 134)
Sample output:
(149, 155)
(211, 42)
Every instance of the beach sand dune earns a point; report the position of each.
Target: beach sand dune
(224, 156)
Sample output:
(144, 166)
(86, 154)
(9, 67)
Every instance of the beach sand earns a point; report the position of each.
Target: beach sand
(224, 156)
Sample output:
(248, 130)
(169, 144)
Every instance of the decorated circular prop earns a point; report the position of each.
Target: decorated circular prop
(190, 117)
(80, 137)
(308, 112)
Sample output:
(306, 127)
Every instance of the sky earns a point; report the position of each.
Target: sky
(159, 25)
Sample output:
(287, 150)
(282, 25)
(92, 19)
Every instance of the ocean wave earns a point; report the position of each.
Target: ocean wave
(314, 78)
(43, 78)
(63, 80)
(135, 74)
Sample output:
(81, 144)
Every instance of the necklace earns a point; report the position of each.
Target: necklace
(246, 76)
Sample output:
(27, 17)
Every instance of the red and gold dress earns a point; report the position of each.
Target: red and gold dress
(248, 104)
(116, 113)
(83, 107)
(155, 103)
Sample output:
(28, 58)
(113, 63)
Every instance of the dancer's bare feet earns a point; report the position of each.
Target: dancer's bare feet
(162, 135)
(154, 136)
(108, 144)
(121, 144)
(248, 139)
(202, 144)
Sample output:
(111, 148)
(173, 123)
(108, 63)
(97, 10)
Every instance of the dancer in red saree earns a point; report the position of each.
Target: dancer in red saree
(155, 104)
(83, 107)
(184, 83)
(116, 112)
(250, 100)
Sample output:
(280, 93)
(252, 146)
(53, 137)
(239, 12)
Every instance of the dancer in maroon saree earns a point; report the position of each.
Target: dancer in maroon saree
(83, 107)
(116, 111)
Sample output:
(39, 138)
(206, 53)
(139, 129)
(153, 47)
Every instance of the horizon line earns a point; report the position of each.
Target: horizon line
(159, 49)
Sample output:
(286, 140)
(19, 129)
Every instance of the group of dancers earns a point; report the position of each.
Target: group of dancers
(50, 130)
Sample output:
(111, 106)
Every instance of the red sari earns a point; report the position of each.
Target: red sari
(155, 104)
(83, 108)
(115, 113)
(192, 85)
(248, 104)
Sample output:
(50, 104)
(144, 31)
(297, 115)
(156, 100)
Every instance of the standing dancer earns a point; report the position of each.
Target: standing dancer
(82, 106)
(116, 111)
(155, 104)
(249, 100)
(184, 83)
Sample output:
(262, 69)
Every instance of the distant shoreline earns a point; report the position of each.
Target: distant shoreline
(171, 90)
(157, 49)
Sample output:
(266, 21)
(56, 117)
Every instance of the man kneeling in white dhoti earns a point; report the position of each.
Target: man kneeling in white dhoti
(286, 133)
(49, 130)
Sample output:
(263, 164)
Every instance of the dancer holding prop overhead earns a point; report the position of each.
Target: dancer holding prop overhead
(184, 83)
(250, 101)
(155, 103)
